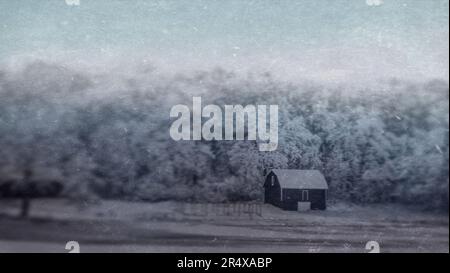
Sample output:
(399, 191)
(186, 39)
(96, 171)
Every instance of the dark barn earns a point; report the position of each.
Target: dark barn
(296, 189)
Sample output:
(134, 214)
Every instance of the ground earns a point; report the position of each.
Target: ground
(116, 226)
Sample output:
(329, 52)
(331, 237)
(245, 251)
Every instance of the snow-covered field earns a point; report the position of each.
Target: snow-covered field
(113, 226)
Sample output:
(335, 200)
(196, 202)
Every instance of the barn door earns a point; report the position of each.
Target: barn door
(305, 195)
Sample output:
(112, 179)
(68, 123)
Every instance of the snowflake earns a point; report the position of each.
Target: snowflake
(374, 2)
(73, 2)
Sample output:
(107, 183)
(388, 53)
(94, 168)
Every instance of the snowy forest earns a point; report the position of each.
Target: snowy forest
(95, 135)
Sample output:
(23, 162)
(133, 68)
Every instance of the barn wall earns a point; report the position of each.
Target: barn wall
(318, 199)
(291, 197)
(272, 194)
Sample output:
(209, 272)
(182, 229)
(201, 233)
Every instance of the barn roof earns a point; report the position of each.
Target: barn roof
(301, 179)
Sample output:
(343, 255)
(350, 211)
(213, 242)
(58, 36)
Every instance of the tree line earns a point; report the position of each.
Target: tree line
(65, 132)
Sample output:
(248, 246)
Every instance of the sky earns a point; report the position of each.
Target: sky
(320, 39)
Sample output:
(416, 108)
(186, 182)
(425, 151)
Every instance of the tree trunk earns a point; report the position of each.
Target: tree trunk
(25, 207)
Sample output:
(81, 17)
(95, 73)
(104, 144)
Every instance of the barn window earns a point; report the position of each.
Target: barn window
(272, 180)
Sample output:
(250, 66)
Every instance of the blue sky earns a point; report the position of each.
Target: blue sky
(408, 37)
